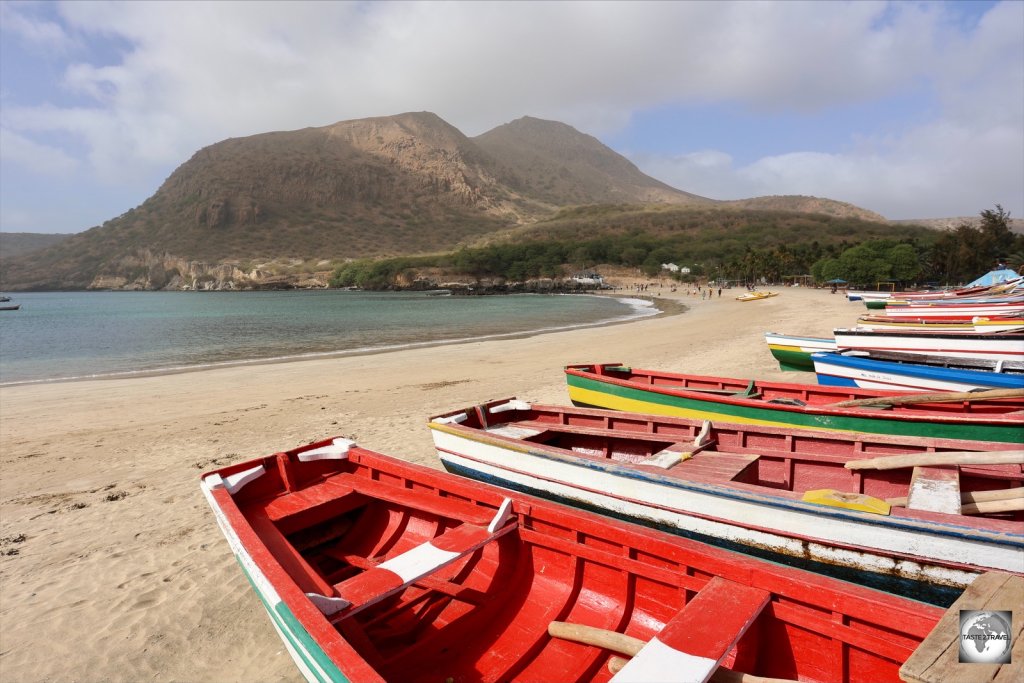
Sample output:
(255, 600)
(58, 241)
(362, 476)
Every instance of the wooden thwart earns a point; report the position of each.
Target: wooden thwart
(692, 645)
(391, 576)
(940, 397)
(893, 462)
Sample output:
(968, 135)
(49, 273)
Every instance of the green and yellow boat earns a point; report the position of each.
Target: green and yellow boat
(985, 416)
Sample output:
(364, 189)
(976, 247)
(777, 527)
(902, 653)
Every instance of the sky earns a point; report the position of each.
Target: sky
(908, 109)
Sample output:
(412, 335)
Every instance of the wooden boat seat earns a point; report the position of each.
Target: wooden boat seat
(692, 645)
(337, 491)
(392, 575)
(936, 489)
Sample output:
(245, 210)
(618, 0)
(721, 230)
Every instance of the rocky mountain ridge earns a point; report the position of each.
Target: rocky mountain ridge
(382, 186)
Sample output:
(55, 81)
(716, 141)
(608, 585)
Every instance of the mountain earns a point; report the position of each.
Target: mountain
(14, 244)
(802, 204)
(403, 184)
(255, 211)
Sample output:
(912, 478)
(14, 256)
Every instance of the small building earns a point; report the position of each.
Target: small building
(588, 279)
(670, 267)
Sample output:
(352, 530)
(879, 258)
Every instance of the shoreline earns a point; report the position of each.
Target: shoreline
(663, 308)
(110, 560)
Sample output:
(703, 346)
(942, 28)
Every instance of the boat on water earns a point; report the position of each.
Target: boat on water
(822, 501)
(748, 401)
(756, 296)
(374, 569)
(915, 372)
(10, 308)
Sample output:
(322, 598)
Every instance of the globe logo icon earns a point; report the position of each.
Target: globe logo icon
(985, 636)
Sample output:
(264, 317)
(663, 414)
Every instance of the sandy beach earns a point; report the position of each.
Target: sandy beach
(111, 566)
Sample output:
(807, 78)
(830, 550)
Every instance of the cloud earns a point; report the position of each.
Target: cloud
(163, 79)
(17, 149)
(39, 33)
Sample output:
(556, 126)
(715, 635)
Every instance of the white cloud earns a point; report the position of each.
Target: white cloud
(18, 149)
(39, 33)
(195, 73)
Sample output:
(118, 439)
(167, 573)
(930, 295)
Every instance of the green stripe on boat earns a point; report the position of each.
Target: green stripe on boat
(600, 394)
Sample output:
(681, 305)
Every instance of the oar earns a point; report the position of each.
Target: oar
(630, 646)
(970, 497)
(1008, 505)
(895, 462)
(940, 397)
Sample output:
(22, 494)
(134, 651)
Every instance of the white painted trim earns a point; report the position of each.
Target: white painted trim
(461, 417)
(234, 482)
(501, 516)
(658, 663)
(337, 450)
(514, 404)
(326, 605)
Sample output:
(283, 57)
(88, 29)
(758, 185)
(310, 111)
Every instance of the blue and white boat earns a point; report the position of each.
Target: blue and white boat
(853, 369)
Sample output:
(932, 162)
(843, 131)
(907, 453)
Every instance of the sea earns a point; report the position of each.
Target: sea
(60, 336)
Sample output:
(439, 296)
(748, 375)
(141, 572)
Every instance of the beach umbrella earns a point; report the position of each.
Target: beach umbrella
(836, 281)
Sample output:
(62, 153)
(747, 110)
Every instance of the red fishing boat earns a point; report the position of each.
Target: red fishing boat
(373, 569)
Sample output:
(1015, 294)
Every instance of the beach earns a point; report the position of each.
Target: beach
(111, 565)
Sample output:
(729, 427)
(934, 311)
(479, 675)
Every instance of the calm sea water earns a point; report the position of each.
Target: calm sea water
(65, 335)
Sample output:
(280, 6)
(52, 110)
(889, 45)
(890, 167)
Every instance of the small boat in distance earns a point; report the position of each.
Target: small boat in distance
(851, 503)
(10, 308)
(749, 401)
(756, 296)
(374, 569)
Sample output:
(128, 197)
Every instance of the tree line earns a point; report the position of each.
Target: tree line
(950, 257)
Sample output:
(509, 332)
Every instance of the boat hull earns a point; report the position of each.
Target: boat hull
(835, 369)
(981, 346)
(591, 389)
(925, 557)
(310, 658)
(794, 353)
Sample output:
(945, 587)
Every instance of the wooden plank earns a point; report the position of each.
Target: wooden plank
(694, 642)
(971, 496)
(935, 489)
(895, 462)
(937, 659)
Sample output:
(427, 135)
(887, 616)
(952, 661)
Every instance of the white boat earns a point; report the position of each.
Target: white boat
(994, 346)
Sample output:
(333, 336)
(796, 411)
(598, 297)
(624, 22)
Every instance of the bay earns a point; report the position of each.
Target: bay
(75, 335)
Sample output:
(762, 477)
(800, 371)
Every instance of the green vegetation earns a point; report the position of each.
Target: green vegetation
(735, 245)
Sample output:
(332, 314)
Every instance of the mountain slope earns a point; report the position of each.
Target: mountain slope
(557, 164)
